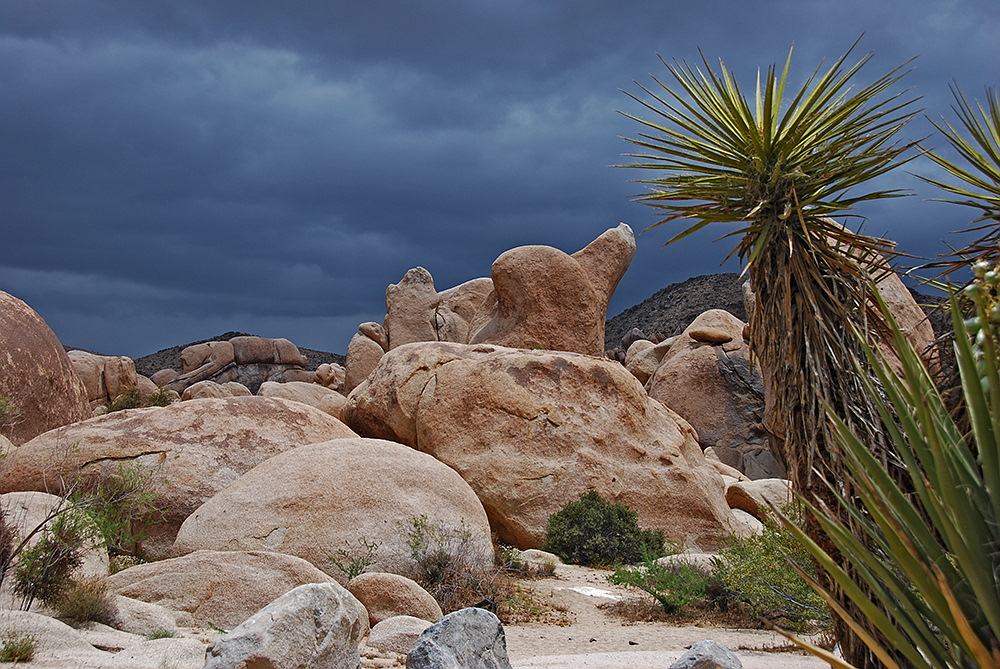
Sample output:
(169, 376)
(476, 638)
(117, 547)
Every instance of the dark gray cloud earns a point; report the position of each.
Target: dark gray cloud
(170, 170)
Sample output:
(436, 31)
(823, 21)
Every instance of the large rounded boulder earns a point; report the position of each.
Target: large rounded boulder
(533, 430)
(707, 376)
(221, 588)
(194, 448)
(37, 381)
(318, 499)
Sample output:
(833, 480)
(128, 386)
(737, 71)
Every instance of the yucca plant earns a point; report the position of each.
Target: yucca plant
(931, 560)
(781, 169)
(979, 178)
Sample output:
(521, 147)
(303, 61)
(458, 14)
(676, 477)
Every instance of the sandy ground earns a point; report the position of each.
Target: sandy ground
(597, 640)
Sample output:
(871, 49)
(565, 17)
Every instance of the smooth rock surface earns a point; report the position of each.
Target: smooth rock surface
(387, 595)
(546, 299)
(715, 387)
(466, 639)
(221, 588)
(314, 625)
(36, 375)
(326, 400)
(397, 634)
(317, 499)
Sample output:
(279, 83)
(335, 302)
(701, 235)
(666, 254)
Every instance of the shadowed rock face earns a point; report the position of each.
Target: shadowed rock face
(532, 430)
(36, 375)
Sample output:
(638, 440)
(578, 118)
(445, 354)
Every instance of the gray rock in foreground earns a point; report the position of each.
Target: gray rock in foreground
(467, 639)
(313, 625)
(708, 655)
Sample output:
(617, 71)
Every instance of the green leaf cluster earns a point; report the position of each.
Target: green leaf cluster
(979, 174)
(776, 165)
(763, 570)
(596, 532)
(672, 585)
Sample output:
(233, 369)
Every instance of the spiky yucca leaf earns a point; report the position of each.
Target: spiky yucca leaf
(979, 178)
(931, 563)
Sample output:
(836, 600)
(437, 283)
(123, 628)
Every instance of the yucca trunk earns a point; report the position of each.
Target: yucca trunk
(801, 333)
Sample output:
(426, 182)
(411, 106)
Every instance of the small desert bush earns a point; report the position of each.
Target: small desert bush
(131, 398)
(595, 532)
(160, 633)
(447, 563)
(672, 585)
(18, 648)
(44, 568)
(86, 599)
(351, 561)
(759, 571)
(122, 506)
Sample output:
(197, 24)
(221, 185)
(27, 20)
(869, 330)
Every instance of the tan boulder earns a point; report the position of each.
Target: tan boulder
(757, 497)
(221, 588)
(330, 375)
(313, 394)
(375, 332)
(545, 299)
(397, 634)
(409, 309)
(716, 389)
(363, 354)
(646, 357)
(196, 356)
(458, 306)
(104, 376)
(37, 380)
(211, 389)
(248, 350)
(532, 430)
(387, 595)
(635, 348)
(198, 363)
(164, 377)
(319, 498)
(195, 449)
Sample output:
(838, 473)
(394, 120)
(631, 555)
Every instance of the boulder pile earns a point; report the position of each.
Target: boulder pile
(469, 415)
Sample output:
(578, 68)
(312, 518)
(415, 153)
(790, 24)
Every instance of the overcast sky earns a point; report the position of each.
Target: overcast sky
(173, 170)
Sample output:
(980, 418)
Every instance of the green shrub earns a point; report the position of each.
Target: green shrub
(160, 633)
(595, 532)
(45, 567)
(352, 562)
(450, 567)
(672, 585)
(18, 648)
(131, 398)
(161, 398)
(123, 507)
(759, 571)
(86, 599)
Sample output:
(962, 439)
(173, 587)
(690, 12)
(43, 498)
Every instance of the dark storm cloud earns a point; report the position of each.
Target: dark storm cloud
(170, 170)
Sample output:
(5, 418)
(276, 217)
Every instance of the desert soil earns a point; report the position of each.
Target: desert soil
(578, 634)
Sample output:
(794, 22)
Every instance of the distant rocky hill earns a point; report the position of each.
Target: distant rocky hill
(670, 310)
(170, 358)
